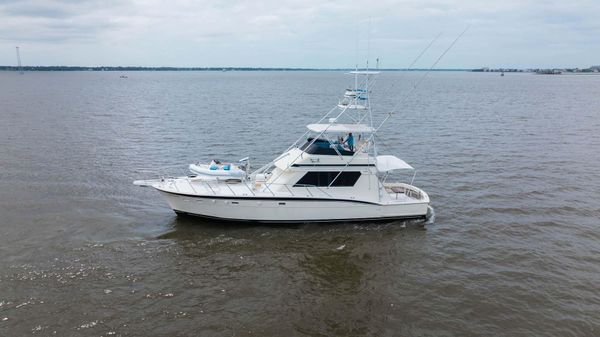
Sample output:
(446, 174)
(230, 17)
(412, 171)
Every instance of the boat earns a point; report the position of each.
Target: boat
(216, 169)
(332, 173)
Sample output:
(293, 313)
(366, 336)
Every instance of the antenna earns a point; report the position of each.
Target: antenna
(19, 61)
(368, 42)
(356, 77)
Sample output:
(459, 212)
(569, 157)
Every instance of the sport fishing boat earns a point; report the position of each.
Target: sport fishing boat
(332, 173)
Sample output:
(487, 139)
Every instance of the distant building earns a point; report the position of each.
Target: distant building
(549, 71)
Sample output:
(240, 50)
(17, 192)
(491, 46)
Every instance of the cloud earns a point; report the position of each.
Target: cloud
(51, 22)
(299, 33)
(30, 10)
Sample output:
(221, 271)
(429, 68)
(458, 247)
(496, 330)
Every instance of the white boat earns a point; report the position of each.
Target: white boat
(217, 169)
(323, 177)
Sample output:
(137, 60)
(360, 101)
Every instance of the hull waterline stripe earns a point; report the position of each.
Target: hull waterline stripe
(275, 198)
(332, 165)
(208, 217)
(267, 198)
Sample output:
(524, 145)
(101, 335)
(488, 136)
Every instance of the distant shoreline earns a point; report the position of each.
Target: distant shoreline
(224, 69)
(553, 71)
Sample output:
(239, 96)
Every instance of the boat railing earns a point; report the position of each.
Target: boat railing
(288, 189)
(229, 187)
(309, 192)
(267, 187)
(226, 183)
(191, 186)
(320, 189)
(210, 187)
(307, 186)
(402, 188)
(170, 181)
(249, 189)
(334, 147)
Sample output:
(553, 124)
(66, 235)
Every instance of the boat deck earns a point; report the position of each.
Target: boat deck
(398, 198)
(395, 193)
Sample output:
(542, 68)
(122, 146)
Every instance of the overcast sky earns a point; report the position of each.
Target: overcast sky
(300, 33)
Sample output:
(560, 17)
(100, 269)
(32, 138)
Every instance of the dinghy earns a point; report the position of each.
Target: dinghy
(217, 169)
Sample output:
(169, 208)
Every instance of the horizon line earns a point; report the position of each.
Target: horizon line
(7, 67)
(244, 68)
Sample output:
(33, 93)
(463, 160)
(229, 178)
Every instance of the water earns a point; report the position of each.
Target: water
(511, 165)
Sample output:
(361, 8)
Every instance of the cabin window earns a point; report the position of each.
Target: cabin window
(324, 179)
(323, 147)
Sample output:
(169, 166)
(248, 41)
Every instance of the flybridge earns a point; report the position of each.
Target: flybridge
(352, 117)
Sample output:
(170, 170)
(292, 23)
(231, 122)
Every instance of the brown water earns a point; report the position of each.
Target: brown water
(511, 165)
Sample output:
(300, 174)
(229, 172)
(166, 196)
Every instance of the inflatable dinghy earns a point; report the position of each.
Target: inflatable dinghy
(216, 169)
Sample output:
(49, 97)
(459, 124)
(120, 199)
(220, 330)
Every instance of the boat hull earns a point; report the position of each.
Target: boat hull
(291, 210)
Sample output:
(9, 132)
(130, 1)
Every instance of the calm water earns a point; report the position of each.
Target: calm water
(512, 165)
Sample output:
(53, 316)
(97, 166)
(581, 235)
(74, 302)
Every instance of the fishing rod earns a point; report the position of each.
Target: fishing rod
(412, 64)
(366, 83)
(371, 83)
(416, 85)
(372, 136)
(424, 50)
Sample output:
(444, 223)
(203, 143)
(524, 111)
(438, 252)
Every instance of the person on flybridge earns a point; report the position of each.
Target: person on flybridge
(350, 142)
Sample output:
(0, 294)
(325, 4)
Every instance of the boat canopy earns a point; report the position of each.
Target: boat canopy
(340, 128)
(390, 163)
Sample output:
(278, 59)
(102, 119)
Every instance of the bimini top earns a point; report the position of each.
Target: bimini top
(340, 128)
(390, 163)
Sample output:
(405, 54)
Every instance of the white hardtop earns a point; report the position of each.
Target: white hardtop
(340, 128)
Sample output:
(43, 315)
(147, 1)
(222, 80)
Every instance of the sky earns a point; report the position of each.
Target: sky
(301, 33)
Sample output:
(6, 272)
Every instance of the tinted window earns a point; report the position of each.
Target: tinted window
(325, 178)
(322, 146)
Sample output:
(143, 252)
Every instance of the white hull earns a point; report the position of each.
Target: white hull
(286, 210)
